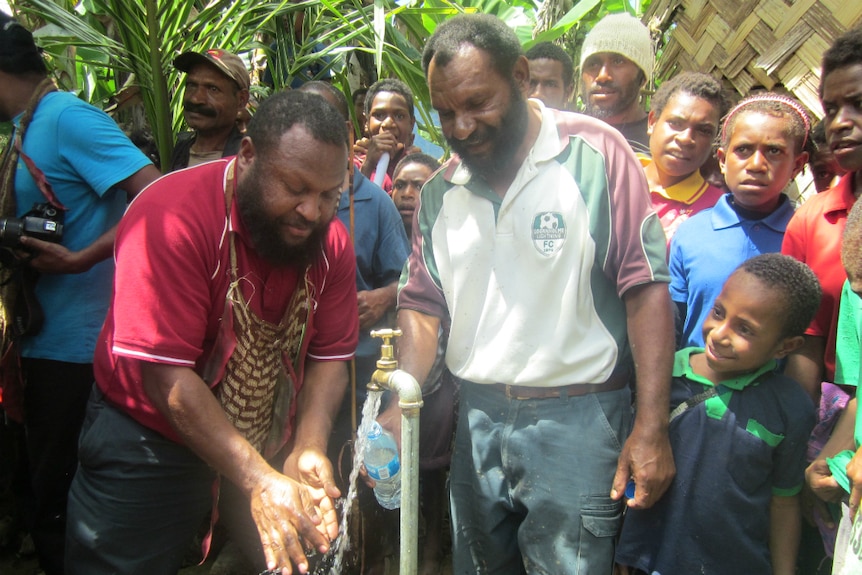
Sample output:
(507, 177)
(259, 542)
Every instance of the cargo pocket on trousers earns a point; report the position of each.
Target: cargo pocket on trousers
(600, 522)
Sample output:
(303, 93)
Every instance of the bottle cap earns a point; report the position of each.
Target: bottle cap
(375, 431)
(630, 489)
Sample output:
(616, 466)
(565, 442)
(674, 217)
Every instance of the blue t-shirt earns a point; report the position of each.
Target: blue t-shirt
(83, 154)
(380, 243)
(708, 247)
(733, 452)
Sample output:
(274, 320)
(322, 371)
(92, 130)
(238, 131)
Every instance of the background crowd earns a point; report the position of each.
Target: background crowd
(638, 342)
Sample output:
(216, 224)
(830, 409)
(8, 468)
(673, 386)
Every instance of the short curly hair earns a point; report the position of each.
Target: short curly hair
(392, 85)
(844, 52)
(817, 138)
(338, 99)
(550, 51)
(484, 31)
(794, 283)
(280, 112)
(417, 158)
(697, 84)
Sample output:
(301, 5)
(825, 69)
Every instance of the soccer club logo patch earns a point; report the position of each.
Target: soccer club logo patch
(549, 232)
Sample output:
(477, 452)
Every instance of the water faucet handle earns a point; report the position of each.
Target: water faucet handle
(387, 335)
(387, 350)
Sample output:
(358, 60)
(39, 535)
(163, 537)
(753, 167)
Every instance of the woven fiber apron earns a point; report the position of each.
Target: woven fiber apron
(256, 391)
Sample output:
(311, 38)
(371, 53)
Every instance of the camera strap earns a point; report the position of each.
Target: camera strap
(20, 312)
(38, 175)
(15, 150)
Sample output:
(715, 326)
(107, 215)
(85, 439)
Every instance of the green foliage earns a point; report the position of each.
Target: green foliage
(99, 47)
(138, 40)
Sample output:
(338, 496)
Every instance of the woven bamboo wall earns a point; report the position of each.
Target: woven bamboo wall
(751, 43)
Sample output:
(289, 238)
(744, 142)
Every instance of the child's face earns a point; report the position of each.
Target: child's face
(842, 103)
(744, 329)
(389, 113)
(824, 168)
(681, 137)
(759, 160)
(405, 189)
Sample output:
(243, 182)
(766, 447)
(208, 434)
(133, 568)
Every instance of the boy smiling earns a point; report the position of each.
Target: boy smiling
(738, 431)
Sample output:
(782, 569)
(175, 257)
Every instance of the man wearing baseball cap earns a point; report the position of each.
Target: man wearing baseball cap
(216, 93)
(617, 60)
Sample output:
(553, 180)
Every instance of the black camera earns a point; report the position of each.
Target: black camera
(44, 222)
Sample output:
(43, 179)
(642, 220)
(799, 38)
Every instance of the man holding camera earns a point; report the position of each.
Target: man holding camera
(76, 166)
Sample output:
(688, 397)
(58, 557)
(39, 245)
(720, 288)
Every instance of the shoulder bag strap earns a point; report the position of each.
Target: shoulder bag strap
(693, 401)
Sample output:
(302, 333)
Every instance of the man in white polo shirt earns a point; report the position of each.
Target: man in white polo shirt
(537, 249)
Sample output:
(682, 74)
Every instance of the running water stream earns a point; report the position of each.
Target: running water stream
(332, 562)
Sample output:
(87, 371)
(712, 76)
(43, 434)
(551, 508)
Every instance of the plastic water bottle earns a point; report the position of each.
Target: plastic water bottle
(383, 466)
(382, 166)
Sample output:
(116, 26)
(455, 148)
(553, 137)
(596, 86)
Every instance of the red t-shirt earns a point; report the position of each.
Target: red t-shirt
(173, 273)
(813, 236)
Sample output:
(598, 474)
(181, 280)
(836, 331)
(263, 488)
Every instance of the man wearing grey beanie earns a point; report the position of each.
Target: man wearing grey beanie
(617, 60)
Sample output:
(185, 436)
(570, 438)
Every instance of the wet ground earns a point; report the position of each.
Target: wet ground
(11, 564)
(19, 559)
(14, 563)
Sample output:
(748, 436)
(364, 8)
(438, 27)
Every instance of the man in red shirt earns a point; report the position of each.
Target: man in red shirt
(226, 343)
(814, 234)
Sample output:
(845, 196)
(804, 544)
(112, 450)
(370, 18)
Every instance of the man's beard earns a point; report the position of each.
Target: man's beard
(265, 230)
(626, 96)
(506, 138)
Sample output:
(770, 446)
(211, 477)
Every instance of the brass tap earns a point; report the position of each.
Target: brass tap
(387, 362)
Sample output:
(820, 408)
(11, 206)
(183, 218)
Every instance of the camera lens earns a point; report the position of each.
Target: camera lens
(11, 230)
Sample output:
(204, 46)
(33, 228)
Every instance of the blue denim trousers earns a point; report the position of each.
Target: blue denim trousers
(531, 481)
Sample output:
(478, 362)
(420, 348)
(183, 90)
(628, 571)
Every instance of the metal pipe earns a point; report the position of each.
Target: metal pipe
(410, 401)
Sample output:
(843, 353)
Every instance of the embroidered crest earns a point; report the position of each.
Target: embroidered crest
(549, 232)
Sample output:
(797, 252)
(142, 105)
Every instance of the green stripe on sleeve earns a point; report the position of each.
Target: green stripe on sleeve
(787, 492)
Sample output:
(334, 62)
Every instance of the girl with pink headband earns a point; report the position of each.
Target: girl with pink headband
(761, 150)
(775, 105)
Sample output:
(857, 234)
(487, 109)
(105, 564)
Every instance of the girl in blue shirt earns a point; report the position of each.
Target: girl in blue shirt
(761, 150)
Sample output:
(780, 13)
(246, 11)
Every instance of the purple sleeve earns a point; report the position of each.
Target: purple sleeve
(638, 247)
(420, 288)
